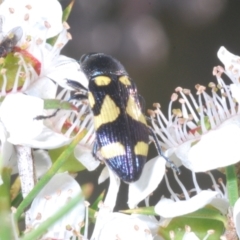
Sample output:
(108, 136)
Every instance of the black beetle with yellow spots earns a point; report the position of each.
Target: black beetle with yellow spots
(122, 133)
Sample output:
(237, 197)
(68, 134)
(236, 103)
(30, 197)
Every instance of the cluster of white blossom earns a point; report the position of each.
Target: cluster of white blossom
(32, 70)
(201, 136)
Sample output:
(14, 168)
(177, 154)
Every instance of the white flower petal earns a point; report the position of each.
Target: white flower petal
(124, 227)
(38, 13)
(190, 236)
(168, 208)
(152, 175)
(232, 69)
(67, 68)
(47, 139)
(8, 155)
(235, 89)
(18, 111)
(50, 199)
(173, 157)
(103, 176)
(236, 216)
(42, 162)
(226, 57)
(84, 155)
(222, 204)
(111, 197)
(23, 128)
(42, 88)
(150, 221)
(220, 144)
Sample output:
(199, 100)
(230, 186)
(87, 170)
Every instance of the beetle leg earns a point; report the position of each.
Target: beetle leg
(78, 96)
(41, 117)
(75, 96)
(76, 85)
(159, 150)
(95, 149)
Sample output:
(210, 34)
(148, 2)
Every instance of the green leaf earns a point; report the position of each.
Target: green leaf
(232, 184)
(58, 104)
(141, 210)
(208, 212)
(200, 222)
(92, 215)
(11, 64)
(15, 188)
(198, 226)
(97, 201)
(5, 228)
(17, 200)
(71, 165)
(67, 11)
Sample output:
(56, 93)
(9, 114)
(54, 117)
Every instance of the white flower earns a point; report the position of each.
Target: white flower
(20, 70)
(184, 203)
(35, 61)
(50, 199)
(205, 133)
(8, 158)
(152, 174)
(232, 68)
(38, 70)
(34, 16)
(122, 226)
(18, 113)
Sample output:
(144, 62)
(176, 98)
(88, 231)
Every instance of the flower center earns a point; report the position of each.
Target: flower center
(17, 69)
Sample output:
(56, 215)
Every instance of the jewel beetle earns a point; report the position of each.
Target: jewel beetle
(122, 133)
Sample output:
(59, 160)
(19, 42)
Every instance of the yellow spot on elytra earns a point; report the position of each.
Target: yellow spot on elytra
(125, 80)
(91, 99)
(109, 112)
(112, 150)
(134, 111)
(102, 80)
(141, 148)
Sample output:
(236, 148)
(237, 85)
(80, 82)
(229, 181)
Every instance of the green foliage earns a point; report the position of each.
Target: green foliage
(71, 165)
(57, 104)
(200, 222)
(142, 210)
(11, 65)
(232, 184)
